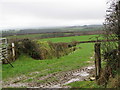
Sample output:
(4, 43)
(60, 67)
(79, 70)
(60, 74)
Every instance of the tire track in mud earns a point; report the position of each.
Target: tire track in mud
(55, 80)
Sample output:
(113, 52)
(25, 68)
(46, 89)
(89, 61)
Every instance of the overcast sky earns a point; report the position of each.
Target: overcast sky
(45, 13)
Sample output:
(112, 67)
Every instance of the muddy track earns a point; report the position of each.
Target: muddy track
(55, 80)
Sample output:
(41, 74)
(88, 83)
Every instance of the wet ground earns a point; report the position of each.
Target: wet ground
(56, 80)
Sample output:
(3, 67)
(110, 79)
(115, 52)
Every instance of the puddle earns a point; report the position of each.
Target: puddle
(56, 86)
(91, 67)
(82, 73)
(72, 80)
(79, 75)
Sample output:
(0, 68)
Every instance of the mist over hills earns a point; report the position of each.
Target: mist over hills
(10, 32)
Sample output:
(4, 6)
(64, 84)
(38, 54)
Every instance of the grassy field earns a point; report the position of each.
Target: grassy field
(84, 84)
(30, 36)
(72, 38)
(25, 65)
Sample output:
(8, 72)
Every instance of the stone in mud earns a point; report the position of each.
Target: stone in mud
(92, 78)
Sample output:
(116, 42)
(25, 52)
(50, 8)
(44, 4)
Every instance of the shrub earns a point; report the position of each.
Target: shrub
(41, 49)
(28, 47)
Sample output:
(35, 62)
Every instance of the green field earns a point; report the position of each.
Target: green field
(31, 36)
(84, 84)
(72, 38)
(25, 65)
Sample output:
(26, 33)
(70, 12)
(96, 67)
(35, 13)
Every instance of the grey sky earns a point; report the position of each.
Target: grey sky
(41, 13)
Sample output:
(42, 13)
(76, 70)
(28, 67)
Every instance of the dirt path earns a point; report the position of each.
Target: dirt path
(55, 80)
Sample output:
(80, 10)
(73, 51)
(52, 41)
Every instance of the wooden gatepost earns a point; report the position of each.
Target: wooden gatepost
(4, 51)
(97, 60)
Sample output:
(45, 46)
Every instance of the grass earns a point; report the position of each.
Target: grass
(114, 82)
(30, 36)
(26, 65)
(73, 38)
(84, 84)
(69, 39)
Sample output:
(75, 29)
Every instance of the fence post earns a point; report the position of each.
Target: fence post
(13, 51)
(3, 49)
(97, 60)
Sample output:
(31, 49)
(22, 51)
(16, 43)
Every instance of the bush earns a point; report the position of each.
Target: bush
(41, 49)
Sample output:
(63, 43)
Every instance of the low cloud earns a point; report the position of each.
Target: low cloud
(55, 13)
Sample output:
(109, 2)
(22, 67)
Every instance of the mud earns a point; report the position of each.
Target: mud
(55, 80)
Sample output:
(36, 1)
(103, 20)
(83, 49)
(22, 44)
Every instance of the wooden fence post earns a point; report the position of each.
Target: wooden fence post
(97, 60)
(13, 51)
(3, 49)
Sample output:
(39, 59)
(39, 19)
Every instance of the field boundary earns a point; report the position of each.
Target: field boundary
(98, 41)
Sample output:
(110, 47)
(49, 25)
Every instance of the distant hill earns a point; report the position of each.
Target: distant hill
(83, 28)
(52, 30)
